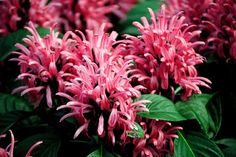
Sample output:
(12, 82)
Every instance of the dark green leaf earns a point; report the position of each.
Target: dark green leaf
(195, 145)
(202, 146)
(160, 108)
(182, 147)
(136, 132)
(229, 145)
(96, 153)
(100, 152)
(215, 115)
(49, 148)
(7, 43)
(10, 103)
(9, 119)
(195, 108)
(138, 11)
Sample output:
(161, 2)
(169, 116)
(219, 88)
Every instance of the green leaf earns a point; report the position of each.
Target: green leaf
(137, 132)
(195, 145)
(10, 103)
(96, 153)
(215, 115)
(7, 43)
(138, 11)
(100, 152)
(196, 108)
(160, 108)
(9, 119)
(49, 148)
(230, 146)
(202, 146)
(182, 147)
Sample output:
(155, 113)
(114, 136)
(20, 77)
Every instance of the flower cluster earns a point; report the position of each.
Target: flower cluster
(89, 71)
(158, 139)
(216, 19)
(94, 78)
(8, 152)
(220, 23)
(192, 10)
(67, 14)
(15, 14)
(39, 65)
(99, 90)
(164, 55)
(90, 14)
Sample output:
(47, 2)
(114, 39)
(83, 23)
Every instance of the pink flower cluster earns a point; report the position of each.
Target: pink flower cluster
(15, 14)
(164, 55)
(90, 14)
(67, 14)
(99, 90)
(158, 139)
(39, 63)
(192, 10)
(217, 21)
(90, 72)
(97, 76)
(8, 152)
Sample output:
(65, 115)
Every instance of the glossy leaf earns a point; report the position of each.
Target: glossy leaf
(160, 108)
(196, 108)
(96, 153)
(100, 152)
(195, 145)
(182, 147)
(202, 146)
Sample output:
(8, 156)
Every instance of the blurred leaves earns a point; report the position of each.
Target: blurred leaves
(229, 146)
(138, 11)
(49, 147)
(10, 103)
(9, 119)
(7, 44)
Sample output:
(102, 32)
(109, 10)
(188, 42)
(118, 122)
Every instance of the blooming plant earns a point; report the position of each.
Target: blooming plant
(112, 78)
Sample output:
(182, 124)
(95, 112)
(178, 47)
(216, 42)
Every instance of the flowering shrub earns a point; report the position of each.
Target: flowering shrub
(78, 80)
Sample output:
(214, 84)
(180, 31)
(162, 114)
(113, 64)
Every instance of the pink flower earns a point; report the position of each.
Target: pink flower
(44, 13)
(15, 14)
(157, 141)
(219, 25)
(90, 14)
(99, 91)
(40, 65)
(85, 14)
(9, 16)
(8, 152)
(164, 56)
(216, 19)
(123, 7)
(192, 10)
